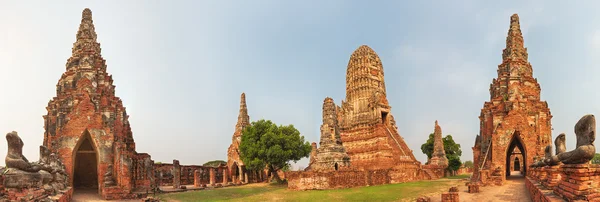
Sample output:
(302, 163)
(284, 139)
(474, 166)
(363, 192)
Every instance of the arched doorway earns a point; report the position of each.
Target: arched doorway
(85, 171)
(517, 165)
(518, 143)
(235, 172)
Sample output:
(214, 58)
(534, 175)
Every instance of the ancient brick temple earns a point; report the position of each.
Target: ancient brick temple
(88, 126)
(367, 127)
(331, 155)
(234, 163)
(514, 117)
(439, 154)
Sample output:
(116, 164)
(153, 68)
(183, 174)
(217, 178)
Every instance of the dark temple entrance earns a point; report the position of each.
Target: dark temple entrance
(85, 173)
(518, 143)
(517, 165)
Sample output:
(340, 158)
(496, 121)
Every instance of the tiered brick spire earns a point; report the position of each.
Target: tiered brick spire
(514, 67)
(515, 49)
(330, 155)
(514, 116)
(332, 135)
(233, 152)
(243, 118)
(86, 108)
(439, 154)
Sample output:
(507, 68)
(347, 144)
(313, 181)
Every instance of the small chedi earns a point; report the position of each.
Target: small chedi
(237, 169)
(568, 175)
(87, 125)
(439, 154)
(438, 162)
(45, 180)
(514, 117)
(331, 155)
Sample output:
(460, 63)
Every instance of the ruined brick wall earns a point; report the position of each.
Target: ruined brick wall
(187, 174)
(143, 171)
(307, 180)
(515, 116)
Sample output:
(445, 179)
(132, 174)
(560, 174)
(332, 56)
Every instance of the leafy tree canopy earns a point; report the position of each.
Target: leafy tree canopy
(214, 163)
(596, 159)
(265, 144)
(453, 151)
(468, 164)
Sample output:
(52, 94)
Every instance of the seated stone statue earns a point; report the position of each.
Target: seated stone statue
(548, 156)
(585, 130)
(559, 142)
(14, 157)
(539, 162)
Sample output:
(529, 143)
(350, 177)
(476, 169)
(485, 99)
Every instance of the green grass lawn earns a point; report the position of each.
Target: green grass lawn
(265, 192)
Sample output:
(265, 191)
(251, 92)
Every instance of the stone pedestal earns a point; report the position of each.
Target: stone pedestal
(212, 176)
(176, 174)
(542, 174)
(553, 176)
(14, 178)
(473, 187)
(197, 178)
(451, 195)
(580, 182)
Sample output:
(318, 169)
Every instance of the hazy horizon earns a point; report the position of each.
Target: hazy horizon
(180, 67)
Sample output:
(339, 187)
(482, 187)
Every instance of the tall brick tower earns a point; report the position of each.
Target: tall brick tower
(514, 117)
(367, 128)
(88, 126)
(234, 163)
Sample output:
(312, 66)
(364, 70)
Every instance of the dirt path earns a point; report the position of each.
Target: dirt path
(513, 190)
(90, 195)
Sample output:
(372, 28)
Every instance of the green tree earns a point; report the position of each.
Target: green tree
(265, 144)
(214, 163)
(468, 164)
(596, 159)
(453, 151)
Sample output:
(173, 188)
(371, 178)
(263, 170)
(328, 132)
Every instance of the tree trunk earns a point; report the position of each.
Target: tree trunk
(274, 174)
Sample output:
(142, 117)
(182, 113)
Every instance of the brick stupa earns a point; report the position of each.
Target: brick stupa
(438, 157)
(331, 154)
(234, 163)
(367, 129)
(514, 117)
(88, 126)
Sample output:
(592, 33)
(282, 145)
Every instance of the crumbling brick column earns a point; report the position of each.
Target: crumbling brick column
(225, 172)
(176, 174)
(197, 178)
(246, 177)
(580, 182)
(212, 176)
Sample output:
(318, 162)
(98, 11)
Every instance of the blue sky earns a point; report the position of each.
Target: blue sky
(180, 66)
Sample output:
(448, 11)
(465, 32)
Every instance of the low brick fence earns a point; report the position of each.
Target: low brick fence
(307, 180)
